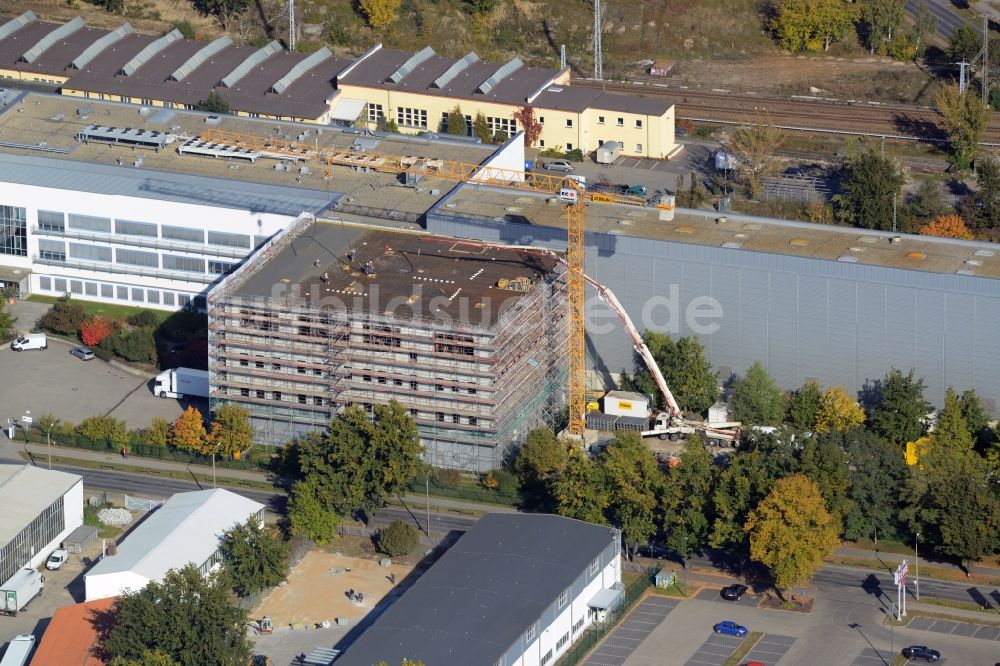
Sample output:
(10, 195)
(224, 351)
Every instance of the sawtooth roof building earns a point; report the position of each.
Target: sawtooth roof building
(515, 590)
(416, 90)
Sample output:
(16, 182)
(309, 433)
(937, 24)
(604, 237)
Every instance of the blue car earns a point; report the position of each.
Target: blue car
(730, 628)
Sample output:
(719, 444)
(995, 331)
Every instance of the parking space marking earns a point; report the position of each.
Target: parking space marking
(924, 623)
(770, 649)
(655, 164)
(963, 629)
(869, 657)
(619, 645)
(748, 600)
(966, 629)
(988, 633)
(944, 626)
(715, 650)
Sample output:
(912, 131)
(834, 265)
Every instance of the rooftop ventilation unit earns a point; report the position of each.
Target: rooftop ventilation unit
(455, 70)
(199, 58)
(296, 72)
(127, 136)
(15, 24)
(46, 42)
(100, 45)
(506, 70)
(143, 56)
(414, 61)
(252, 61)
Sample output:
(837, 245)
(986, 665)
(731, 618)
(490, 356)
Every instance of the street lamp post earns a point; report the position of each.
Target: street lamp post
(916, 562)
(214, 449)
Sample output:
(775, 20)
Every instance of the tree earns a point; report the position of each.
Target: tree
(687, 511)
(870, 185)
(634, 483)
(880, 19)
(837, 411)
(976, 419)
(148, 658)
(360, 464)
(481, 128)
(964, 44)
(525, 117)
(803, 406)
(877, 474)
(7, 321)
(951, 432)
(812, 25)
(255, 557)
(379, 13)
(539, 463)
(947, 226)
(188, 431)
(824, 461)
(188, 617)
(64, 317)
(927, 202)
(924, 24)
(231, 430)
(684, 366)
(986, 213)
(791, 531)
(754, 146)
(309, 513)
(397, 538)
(900, 408)
(478, 6)
(580, 491)
(158, 432)
(953, 504)
(137, 345)
(107, 429)
(214, 103)
(95, 329)
(755, 398)
(742, 484)
(456, 122)
(223, 10)
(387, 125)
(965, 119)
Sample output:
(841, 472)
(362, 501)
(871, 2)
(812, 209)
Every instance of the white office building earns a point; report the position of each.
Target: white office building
(187, 529)
(40, 509)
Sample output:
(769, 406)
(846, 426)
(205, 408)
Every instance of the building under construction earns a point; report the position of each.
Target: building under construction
(471, 341)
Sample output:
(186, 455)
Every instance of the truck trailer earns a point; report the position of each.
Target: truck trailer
(181, 383)
(17, 592)
(18, 650)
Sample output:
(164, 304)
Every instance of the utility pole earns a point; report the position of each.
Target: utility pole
(562, 57)
(598, 52)
(962, 83)
(893, 212)
(986, 60)
(291, 25)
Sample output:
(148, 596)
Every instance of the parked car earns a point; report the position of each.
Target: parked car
(734, 592)
(558, 165)
(921, 652)
(57, 559)
(636, 191)
(730, 628)
(82, 353)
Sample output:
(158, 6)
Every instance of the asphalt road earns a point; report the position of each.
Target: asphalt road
(947, 20)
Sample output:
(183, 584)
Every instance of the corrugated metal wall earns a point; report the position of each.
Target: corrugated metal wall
(838, 323)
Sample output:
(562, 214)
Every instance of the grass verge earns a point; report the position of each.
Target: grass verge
(737, 657)
(989, 615)
(162, 473)
(109, 310)
(929, 571)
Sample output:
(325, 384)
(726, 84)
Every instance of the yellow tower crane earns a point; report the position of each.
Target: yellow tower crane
(567, 189)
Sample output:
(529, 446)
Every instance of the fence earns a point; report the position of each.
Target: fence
(635, 591)
(417, 486)
(139, 504)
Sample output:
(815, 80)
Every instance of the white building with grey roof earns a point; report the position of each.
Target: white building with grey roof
(40, 508)
(186, 529)
(515, 590)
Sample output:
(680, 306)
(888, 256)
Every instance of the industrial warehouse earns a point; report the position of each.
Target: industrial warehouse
(471, 341)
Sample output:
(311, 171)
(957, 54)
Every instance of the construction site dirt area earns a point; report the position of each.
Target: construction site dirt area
(319, 588)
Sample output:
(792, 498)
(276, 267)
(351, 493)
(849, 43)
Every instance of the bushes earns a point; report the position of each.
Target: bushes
(95, 329)
(397, 539)
(105, 429)
(448, 478)
(144, 319)
(137, 345)
(64, 318)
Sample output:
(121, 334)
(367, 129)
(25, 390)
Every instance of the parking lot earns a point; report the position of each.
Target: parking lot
(633, 630)
(52, 381)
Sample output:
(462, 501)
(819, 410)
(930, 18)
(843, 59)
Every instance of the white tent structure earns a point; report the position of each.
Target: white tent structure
(186, 529)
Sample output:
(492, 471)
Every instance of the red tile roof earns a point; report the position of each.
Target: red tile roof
(72, 634)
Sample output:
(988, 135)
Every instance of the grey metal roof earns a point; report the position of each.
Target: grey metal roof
(456, 69)
(483, 593)
(199, 58)
(148, 184)
(143, 56)
(251, 61)
(46, 42)
(26, 491)
(297, 71)
(17, 23)
(102, 43)
(412, 62)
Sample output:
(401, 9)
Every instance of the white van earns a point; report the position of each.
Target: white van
(18, 651)
(30, 341)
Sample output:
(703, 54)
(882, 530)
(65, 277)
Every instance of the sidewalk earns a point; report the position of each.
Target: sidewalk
(978, 569)
(135, 464)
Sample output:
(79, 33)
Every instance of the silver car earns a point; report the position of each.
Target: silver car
(82, 353)
(558, 165)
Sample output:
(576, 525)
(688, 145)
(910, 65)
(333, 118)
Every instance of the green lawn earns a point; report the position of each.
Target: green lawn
(110, 310)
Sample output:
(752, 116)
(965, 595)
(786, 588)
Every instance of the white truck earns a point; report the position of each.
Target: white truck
(18, 650)
(181, 383)
(30, 341)
(17, 592)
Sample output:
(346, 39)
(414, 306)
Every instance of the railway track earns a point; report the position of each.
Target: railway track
(822, 113)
